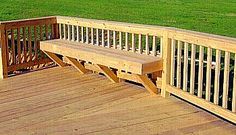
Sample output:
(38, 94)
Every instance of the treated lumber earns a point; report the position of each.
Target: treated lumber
(54, 57)
(148, 84)
(108, 73)
(77, 65)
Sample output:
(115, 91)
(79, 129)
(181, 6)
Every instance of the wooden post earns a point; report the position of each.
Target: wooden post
(166, 56)
(3, 53)
(56, 31)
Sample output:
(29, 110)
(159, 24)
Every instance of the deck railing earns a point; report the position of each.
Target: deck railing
(197, 67)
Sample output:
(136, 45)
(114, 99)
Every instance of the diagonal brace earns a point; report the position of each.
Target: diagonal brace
(54, 57)
(147, 83)
(108, 73)
(77, 65)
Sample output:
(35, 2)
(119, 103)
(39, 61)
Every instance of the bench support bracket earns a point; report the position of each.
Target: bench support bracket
(108, 73)
(77, 65)
(147, 83)
(54, 57)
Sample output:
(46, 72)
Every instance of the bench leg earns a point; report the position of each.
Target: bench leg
(77, 65)
(108, 73)
(148, 84)
(54, 57)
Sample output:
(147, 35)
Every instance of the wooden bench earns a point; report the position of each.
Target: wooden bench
(139, 65)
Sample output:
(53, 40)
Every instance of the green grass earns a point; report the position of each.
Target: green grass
(210, 16)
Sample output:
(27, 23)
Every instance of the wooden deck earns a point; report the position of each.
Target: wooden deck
(60, 101)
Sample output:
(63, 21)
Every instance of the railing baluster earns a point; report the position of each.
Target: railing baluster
(226, 80)
(108, 39)
(97, 38)
(185, 79)
(68, 34)
(208, 74)
(120, 40)
(127, 41)
(77, 32)
(64, 29)
(217, 77)
(82, 34)
(234, 87)
(30, 44)
(140, 43)
(46, 31)
(18, 45)
(192, 70)
(154, 49)
(147, 45)
(200, 71)
(133, 42)
(179, 55)
(41, 32)
(92, 38)
(103, 42)
(73, 32)
(13, 47)
(114, 39)
(87, 35)
(24, 44)
(173, 48)
(35, 43)
(60, 32)
(161, 46)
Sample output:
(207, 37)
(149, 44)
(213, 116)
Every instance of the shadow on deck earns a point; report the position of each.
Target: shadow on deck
(61, 101)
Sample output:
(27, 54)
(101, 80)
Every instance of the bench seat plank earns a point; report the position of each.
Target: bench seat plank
(130, 62)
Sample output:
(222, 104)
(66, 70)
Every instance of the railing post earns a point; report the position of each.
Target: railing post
(3, 53)
(166, 56)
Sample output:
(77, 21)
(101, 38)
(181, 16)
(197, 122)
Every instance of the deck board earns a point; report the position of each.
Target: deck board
(60, 101)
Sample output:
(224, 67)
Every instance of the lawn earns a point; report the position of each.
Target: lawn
(211, 16)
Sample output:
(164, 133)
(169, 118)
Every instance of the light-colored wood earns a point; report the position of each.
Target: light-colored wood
(46, 105)
(133, 43)
(200, 71)
(123, 60)
(114, 40)
(108, 73)
(69, 32)
(217, 77)
(140, 50)
(64, 31)
(128, 76)
(97, 37)
(172, 71)
(179, 61)
(92, 36)
(185, 75)
(78, 34)
(226, 80)
(77, 65)
(148, 84)
(201, 102)
(87, 35)
(154, 49)
(73, 33)
(167, 66)
(147, 45)
(192, 70)
(120, 40)
(108, 39)
(82, 34)
(60, 31)
(234, 88)
(103, 40)
(54, 57)
(127, 41)
(161, 46)
(208, 74)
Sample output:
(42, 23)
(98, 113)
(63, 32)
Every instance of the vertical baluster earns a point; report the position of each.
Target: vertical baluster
(127, 41)
(208, 74)
(24, 44)
(192, 70)
(18, 45)
(140, 43)
(161, 46)
(217, 77)
(64, 30)
(13, 47)
(53, 34)
(92, 38)
(108, 39)
(68, 34)
(114, 39)
(234, 88)
(77, 32)
(41, 32)
(35, 43)
(97, 38)
(173, 48)
(179, 64)
(73, 33)
(154, 49)
(82, 34)
(185, 78)
(87, 35)
(120, 42)
(60, 32)
(226, 80)
(30, 43)
(133, 42)
(103, 42)
(147, 45)
(200, 71)
(46, 31)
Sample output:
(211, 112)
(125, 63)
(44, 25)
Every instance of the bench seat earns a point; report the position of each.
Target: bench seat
(130, 62)
(137, 65)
